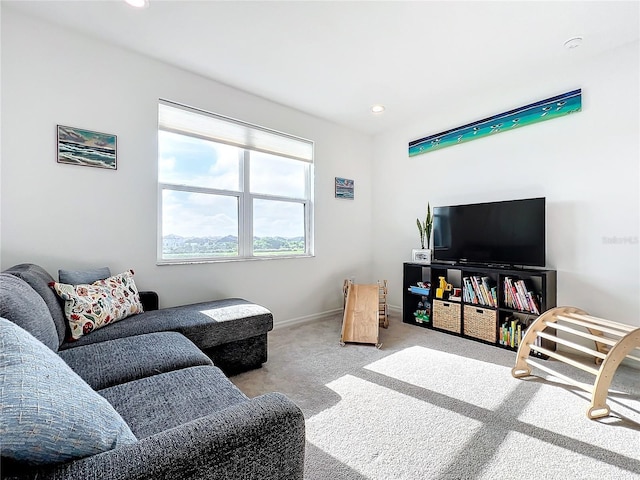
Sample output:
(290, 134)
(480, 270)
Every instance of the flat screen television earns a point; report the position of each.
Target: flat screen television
(506, 233)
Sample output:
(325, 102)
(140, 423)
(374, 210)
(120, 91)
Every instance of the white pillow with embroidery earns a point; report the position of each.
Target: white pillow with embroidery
(89, 307)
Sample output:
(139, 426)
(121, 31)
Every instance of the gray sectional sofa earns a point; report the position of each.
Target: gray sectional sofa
(143, 398)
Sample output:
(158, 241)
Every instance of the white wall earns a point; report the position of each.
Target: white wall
(63, 216)
(585, 164)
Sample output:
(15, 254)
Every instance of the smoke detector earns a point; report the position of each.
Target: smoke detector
(572, 43)
(138, 3)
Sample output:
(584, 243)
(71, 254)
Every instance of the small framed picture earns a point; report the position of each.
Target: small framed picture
(421, 256)
(77, 146)
(344, 188)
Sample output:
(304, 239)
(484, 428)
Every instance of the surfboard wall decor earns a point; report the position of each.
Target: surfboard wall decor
(554, 107)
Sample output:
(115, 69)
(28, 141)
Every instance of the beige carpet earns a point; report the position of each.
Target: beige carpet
(428, 405)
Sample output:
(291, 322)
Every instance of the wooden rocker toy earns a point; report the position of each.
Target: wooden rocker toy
(613, 343)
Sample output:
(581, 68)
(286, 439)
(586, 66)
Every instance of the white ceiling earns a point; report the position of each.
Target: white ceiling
(335, 59)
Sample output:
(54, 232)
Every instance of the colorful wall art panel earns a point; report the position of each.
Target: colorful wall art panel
(554, 107)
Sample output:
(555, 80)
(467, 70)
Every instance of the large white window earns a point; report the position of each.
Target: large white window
(230, 190)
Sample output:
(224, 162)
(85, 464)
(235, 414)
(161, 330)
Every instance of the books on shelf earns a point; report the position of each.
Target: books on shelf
(511, 332)
(479, 291)
(519, 296)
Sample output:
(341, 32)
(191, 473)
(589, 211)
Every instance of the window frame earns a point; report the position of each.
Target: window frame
(244, 197)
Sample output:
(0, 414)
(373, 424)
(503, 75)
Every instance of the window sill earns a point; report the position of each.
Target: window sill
(163, 263)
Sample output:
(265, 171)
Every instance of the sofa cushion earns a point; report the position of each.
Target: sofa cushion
(89, 307)
(206, 324)
(23, 306)
(155, 404)
(78, 277)
(47, 413)
(122, 360)
(39, 279)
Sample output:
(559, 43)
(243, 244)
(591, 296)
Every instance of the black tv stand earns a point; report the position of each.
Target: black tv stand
(488, 311)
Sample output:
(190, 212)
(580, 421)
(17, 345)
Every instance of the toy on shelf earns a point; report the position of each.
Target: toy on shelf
(421, 288)
(443, 286)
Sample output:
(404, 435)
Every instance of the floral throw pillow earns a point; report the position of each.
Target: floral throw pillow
(89, 307)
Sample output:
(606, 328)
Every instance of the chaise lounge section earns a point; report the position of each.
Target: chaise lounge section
(232, 331)
(154, 375)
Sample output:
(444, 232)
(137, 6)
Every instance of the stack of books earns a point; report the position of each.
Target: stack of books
(519, 296)
(479, 291)
(511, 331)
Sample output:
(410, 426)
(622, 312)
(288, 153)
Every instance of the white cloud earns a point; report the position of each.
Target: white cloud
(194, 162)
(278, 219)
(198, 214)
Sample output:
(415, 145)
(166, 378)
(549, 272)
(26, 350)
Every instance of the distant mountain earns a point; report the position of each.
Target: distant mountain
(225, 238)
(228, 238)
(177, 244)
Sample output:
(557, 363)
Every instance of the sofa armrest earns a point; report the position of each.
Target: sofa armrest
(263, 438)
(149, 300)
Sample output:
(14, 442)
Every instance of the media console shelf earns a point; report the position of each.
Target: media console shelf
(495, 305)
(614, 342)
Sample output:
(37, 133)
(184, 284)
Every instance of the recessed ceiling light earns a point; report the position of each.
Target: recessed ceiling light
(377, 108)
(572, 43)
(138, 3)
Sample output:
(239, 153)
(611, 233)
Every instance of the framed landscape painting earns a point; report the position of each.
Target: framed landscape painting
(344, 188)
(77, 146)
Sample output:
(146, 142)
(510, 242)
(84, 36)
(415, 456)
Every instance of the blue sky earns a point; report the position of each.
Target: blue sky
(207, 164)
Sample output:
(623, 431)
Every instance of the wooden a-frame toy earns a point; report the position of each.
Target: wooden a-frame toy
(365, 310)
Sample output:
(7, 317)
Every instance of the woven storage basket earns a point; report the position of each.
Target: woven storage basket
(480, 323)
(446, 315)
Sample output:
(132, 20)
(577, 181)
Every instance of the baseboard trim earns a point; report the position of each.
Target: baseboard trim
(306, 319)
(321, 316)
